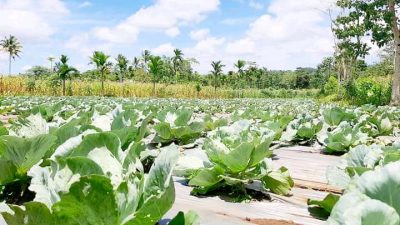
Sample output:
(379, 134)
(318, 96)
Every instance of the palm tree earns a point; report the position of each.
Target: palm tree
(100, 60)
(239, 65)
(176, 61)
(136, 62)
(216, 72)
(51, 60)
(122, 66)
(155, 70)
(64, 70)
(146, 55)
(13, 47)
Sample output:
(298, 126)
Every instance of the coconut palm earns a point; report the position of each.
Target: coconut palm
(13, 47)
(122, 66)
(51, 60)
(177, 59)
(155, 65)
(100, 60)
(136, 62)
(239, 65)
(64, 70)
(216, 72)
(146, 55)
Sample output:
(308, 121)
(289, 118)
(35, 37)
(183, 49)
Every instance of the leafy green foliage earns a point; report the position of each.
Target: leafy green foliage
(97, 199)
(303, 129)
(370, 90)
(237, 158)
(18, 155)
(373, 199)
(177, 127)
(360, 160)
(190, 218)
(344, 137)
(322, 209)
(334, 116)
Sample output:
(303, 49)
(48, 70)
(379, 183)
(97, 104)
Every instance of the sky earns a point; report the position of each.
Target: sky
(276, 34)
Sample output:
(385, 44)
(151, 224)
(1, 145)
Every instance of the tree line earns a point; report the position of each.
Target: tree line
(172, 70)
(357, 23)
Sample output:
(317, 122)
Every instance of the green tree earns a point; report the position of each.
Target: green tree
(177, 60)
(146, 56)
(38, 72)
(155, 66)
(100, 60)
(64, 71)
(324, 70)
(239, 65)
(136, 63)
(378, 19)
(303, 77)
(216, 73)
(122, 66)
(349, 28)
(13, 47)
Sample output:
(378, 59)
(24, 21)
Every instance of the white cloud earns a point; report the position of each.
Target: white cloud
(164, 49)
(26, 68)
(85, 4)
(173, 32)
(163, 16)
(206, 49)
(30, 20)
(256, 5)
(199, 34)
(83, 44)
(292, 33)
(237, 21)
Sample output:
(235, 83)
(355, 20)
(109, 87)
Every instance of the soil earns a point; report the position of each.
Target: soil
(270, 222)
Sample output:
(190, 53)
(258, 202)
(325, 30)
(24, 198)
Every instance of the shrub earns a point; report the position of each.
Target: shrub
(370, 90)
(31, 85)
(331, 87)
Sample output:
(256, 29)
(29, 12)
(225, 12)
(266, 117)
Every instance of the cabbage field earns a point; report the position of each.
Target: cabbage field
(87, 160)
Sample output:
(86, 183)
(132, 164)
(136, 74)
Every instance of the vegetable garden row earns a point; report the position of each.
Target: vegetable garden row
(114, 161)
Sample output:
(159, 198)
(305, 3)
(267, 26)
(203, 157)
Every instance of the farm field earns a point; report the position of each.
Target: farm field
(91, 160)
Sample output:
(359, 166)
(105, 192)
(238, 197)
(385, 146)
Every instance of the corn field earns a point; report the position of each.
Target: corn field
(22, 86)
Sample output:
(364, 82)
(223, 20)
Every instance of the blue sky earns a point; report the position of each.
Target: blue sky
(277, 34)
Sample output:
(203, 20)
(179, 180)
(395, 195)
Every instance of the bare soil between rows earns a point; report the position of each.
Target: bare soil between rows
(270, 222)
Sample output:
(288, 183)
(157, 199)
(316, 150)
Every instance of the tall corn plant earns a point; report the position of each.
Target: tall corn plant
(100, 60)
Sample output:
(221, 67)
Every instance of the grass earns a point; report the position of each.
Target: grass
(22, 86)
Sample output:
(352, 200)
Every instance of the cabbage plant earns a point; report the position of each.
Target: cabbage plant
(378, 125)
(303, 129)
(237, 158)
(177, 127)
(343, 137)
(374, 198)
(359, 160)
(335, 115)
(97, 183)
